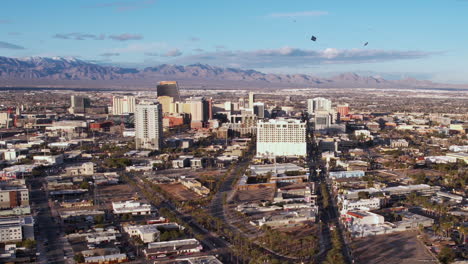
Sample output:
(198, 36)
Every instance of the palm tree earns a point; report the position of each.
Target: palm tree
(447, 226)
(463, 230)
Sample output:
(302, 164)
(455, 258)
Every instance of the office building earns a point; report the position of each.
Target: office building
(167, 104)
(242, 103)
(148, 126)
(322, 120)
(168, 88)
(343, 110)
(259, 109)
(123, 105)
(281, 137)
(251, 99)
(199, 111)
(318, 104)
(79, 104)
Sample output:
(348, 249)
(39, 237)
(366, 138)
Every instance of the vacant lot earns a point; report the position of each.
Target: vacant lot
(402, 248)
(262, 194)
(115, 193)
(179, 192)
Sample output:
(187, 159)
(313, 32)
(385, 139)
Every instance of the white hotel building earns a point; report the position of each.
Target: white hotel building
(281, 137)
(123, 105)
(148, 126)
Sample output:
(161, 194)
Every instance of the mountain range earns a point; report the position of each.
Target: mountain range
(69, 72)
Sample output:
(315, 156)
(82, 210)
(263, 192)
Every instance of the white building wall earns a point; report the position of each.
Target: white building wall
(282, 137)
(148, 126)
(123, 105)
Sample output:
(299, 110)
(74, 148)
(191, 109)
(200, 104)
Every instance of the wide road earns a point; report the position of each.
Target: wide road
(51, 243)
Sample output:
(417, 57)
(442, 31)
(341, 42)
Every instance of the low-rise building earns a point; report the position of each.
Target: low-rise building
(458, 156)
(147, 233)
(114, 258)
(131, 207)
(398, 143)
(422, 189)
(15, 229)
(195, 186)
(174, 247)
(455, 148)
(86, 168)
(347, 174)
(13, 196)
(362, 204)
(286, 218)
(48, 160)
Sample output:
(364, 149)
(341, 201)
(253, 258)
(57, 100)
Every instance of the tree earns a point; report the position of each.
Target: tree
(463, 232)
(446, 255)
(79, 258)
(99, 219)
(84, 185)
(363, 195)
(29, 243)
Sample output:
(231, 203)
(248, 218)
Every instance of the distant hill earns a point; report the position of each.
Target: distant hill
(71, 72)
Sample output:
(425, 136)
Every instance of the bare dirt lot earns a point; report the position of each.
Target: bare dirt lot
(262, 194)
(115, 193)
(402, 248)
(179, 192)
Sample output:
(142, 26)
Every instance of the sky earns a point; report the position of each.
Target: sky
(422, 39)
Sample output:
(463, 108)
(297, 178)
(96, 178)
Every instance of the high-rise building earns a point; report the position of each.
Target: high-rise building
(259, 109)
(251, 99)
(78, 104)
(343, 109)
(241, 102)
(168, 88)
(199, 111)
(281, 137)
(228, 106)
(123, 105)
(148, 126)
(318, 104)
(167, 104)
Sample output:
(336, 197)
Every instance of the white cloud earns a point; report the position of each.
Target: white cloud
(294, 57)
(172, 53)
(126, 36)
(142, 47)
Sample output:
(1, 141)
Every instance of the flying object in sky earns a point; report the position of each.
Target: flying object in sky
(365, 44)
(313, 38)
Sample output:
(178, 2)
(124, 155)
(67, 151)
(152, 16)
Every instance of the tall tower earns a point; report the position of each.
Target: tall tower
(251, 99)
(168, 88)
(78, 104)
(148, 126)
(259, 109)
(199, 111)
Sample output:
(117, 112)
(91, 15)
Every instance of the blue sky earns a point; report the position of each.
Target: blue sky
(425, 39)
